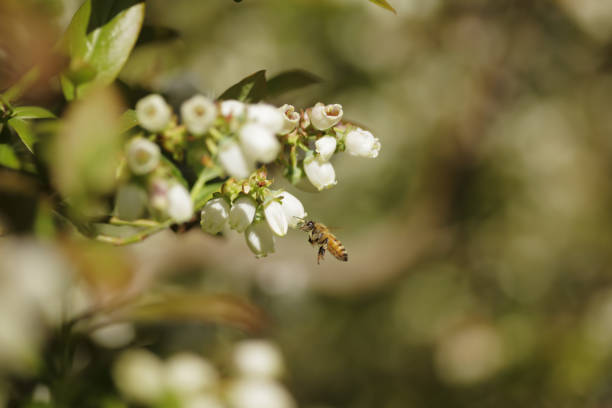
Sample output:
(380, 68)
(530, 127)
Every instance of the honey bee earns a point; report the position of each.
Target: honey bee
(320, 235)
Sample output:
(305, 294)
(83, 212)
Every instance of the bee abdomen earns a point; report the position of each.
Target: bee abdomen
(338, 250)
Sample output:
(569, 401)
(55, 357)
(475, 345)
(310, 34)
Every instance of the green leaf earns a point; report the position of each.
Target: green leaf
(8, 158)
(206, 194)
(384, 4)
(251, 89)
(100, 37)
(150, 34)
(176, 173)
(24, 131)
(291, 80)
(32, 112)
(128, 120)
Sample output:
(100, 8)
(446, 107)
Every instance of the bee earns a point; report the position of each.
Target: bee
(320, 235)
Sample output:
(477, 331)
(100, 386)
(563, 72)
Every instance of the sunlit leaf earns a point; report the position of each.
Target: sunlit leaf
(24, 130)
(251, 89)
(384, 4)
(8, 158)
(128, 120)
(32, 112)
(206, 194)
(290, 80)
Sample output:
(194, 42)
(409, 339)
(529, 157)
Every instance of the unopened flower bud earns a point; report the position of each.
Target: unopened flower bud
(275, 216)
(291, 118)
(325, 147)
(267, 116)
(142, 155)
(320, 173)
(180, 206)
(153, 113)
(293, 208)
(214, 215)
(258, 358)
(260, 239)
(158, 195)
(362, 143)
(259, 143)
(242, 213)
(323, 117)
(233, 160)
(232, 108)
(198, 113)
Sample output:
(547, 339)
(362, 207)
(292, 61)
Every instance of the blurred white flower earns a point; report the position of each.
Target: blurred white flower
(267, 116)
(291, 118)
(158, 194)
(259, 393)
(188, 374)
(232, 108)
(198, 114)
(275, 217)
(242, 213)
(325, 147)
(41, 394)
(153, 113)
(320, 173)
(214, 215)
(139, 375)
(258, 358)
(362, 143)
(113, 335)
(292, 207)
(130, 202)
(142, 155)
(260, 239)
(259, 142)
(180, 206)
(323, 117)
(233, 160)
(202, 401)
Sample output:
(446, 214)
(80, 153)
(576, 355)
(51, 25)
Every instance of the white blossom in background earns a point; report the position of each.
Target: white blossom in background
(242, 213)
(203, 400)
(233, 160)
(214, 215)
(41, 394)
(180, 206)
(189, 374)
(325, 147)
(275, 217)
(114, 335)
(323, 117)
(139, 375)
(158, 194)
(320, 173)
(259, 393)
(260, 239)
(130, 202)
(142, 155)
(259, 142)
(232, 108)
(362, 143)
(291, 118)
(198, 114)
(267, 116)
(153, 113)
(292, 208)
(258, 358)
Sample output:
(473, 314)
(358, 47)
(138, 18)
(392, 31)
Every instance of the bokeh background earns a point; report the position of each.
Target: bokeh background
(480, 240)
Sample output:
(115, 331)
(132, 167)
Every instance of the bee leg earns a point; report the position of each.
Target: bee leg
(322, 249)
(310, 240)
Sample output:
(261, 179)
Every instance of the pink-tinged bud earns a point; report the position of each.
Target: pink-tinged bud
(153, 113)
(362, 143)
(291, 118)
(325, 147)
(323, 117)
(198, 114)
(320, 173)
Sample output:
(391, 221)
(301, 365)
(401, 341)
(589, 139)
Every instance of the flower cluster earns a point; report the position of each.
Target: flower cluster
(193, 381)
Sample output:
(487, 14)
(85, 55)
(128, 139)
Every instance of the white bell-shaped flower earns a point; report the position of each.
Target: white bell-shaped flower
(323, 117)
(260, 239)
(232, 108)
(325, 147)
(292, 207)
(198, 114)
(362, 143)
(214, 215)
(153, 113)
(259, 393)
(267, 116)
(142, 155)
(242, 213)
(180, 206)
(259, 142)
(275, 217)
(188, 374)
(139, 375)
(233, 160)
(258, 358)
(320, 173)
(291, 118)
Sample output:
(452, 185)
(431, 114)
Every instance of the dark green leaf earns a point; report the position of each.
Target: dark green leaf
(24, 131)
(384, 4)
(251, 89)
(128, 120)
(206, 194)
(150, 34)
(8, 158)
(291, 80)
(175, 171)
(32, 112)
